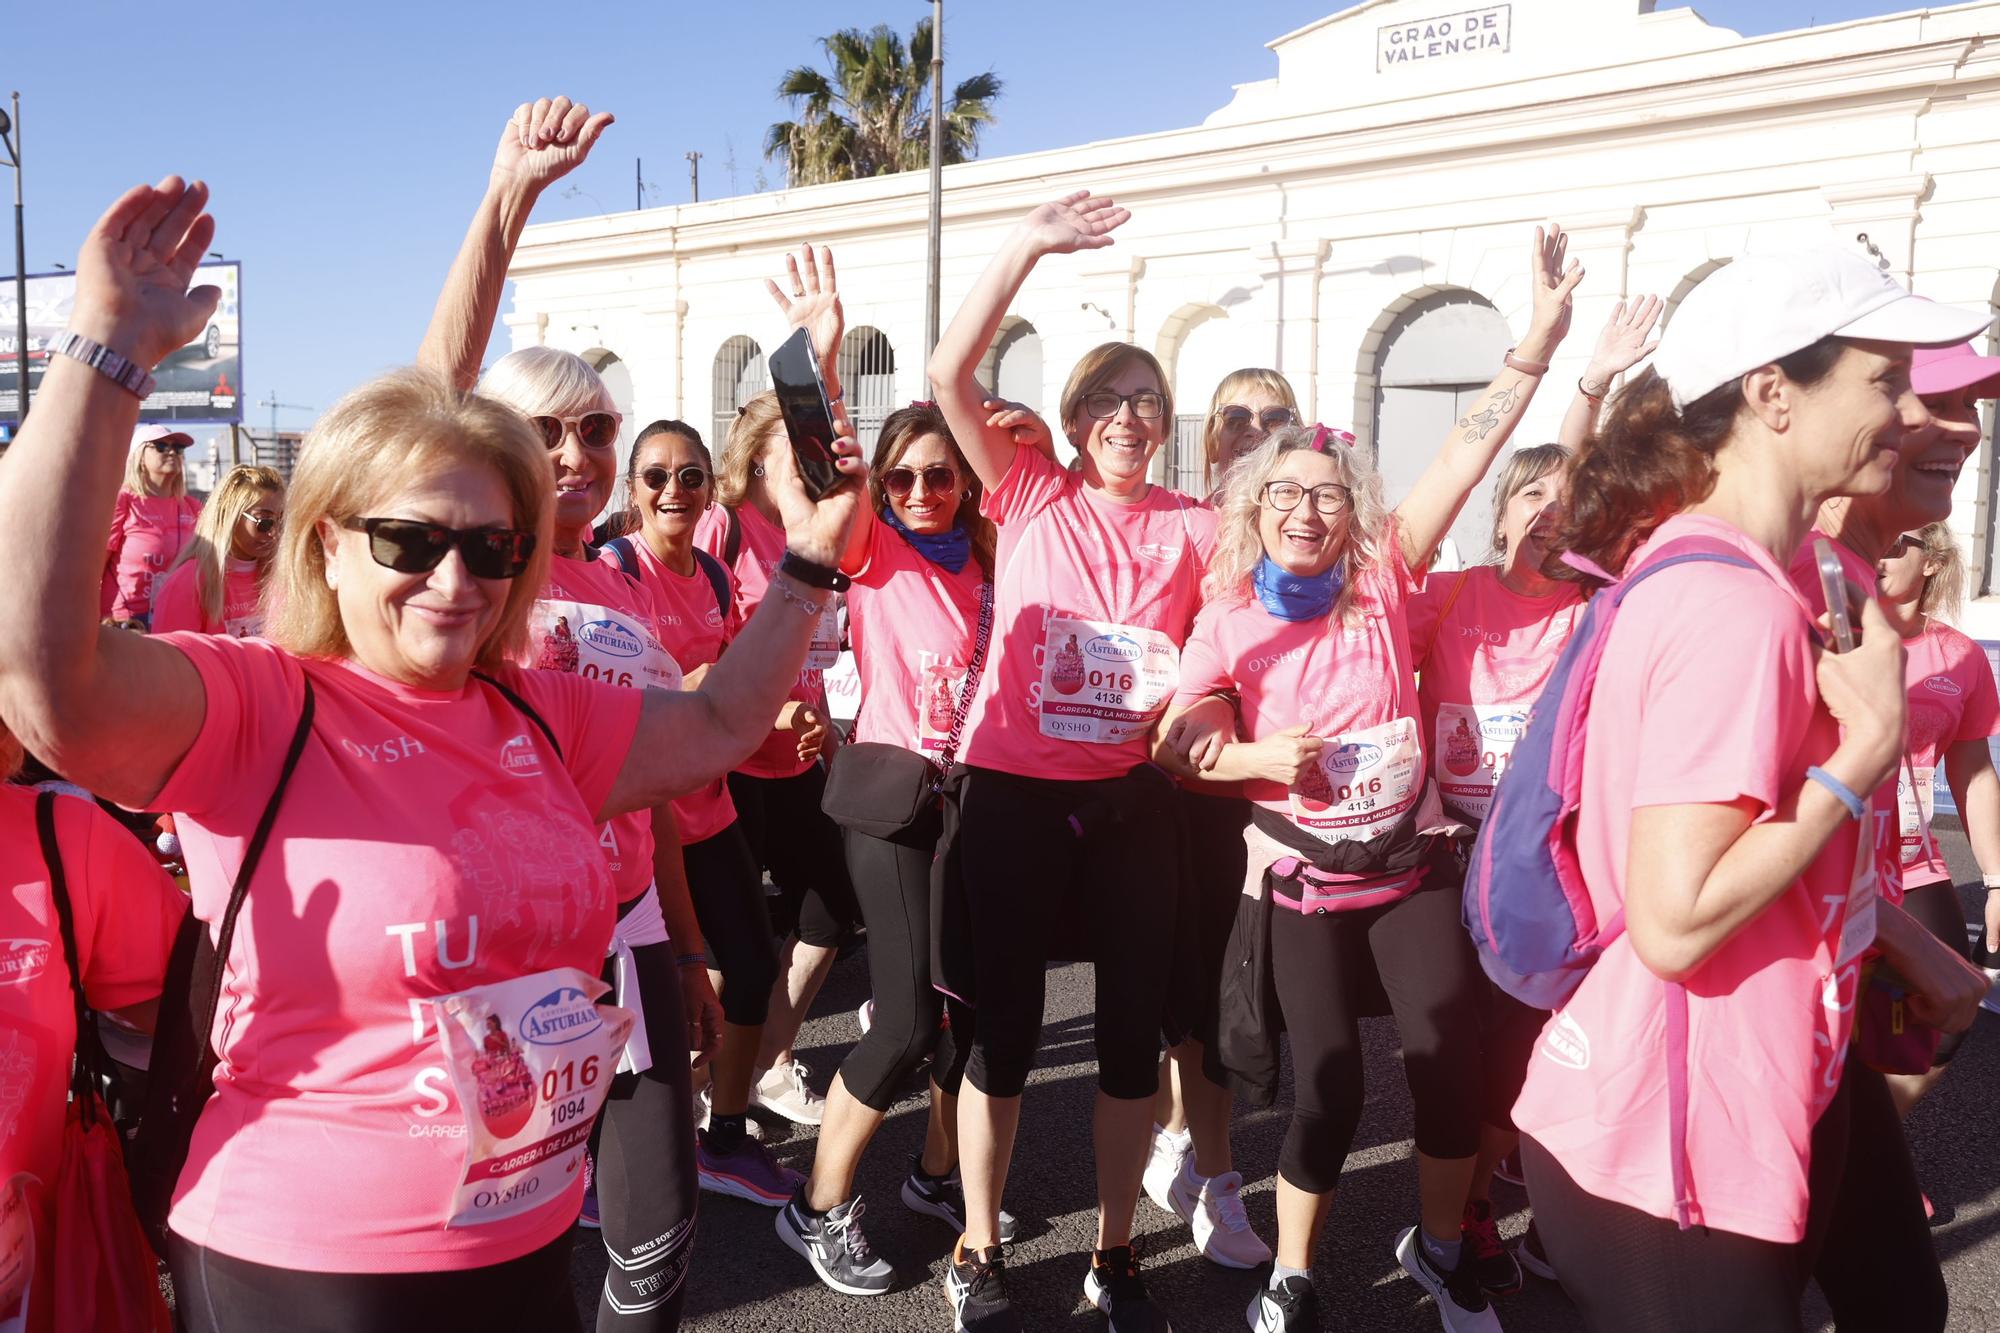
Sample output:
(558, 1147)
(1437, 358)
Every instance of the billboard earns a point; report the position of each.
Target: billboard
(203, 381)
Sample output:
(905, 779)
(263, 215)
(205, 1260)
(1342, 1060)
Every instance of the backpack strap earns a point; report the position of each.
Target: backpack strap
(732, 541)
(718, 579)
(90, 1059)
(525, 707)
(621, 552)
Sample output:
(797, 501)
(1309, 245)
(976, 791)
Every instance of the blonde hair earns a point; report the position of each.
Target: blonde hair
(1101, 365)
(139, 484)
(374, 442)
(1235, 382)
(748, 434)
(1523, 468)
(214, 541)
(546, 381)
(1239, 548)
(1944, 591)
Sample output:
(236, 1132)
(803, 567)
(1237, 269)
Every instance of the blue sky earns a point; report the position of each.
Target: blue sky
(347, 143)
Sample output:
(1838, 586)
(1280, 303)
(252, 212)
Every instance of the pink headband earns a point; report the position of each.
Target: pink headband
(1324, 436)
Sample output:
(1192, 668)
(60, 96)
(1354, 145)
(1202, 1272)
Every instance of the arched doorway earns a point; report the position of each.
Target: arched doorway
(740, 375)
(1013, 368)
(1209, 348)
(867, 367)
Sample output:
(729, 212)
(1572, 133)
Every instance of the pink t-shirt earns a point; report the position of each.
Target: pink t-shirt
(912, 624)
(430, 842)
(695, 629)
(761, 547)
(147, 532)
(1769, 1013)
(177, 602)
(1951, 699)
(1480, 669)
(1086, 590)
(126, 911)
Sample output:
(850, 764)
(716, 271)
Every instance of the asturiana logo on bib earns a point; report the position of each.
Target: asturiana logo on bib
(608, 636)
(22, 960)
(1944, 685)
(1353, 757)
(1114, 648)
(563, 1015)
(1506, 727)
(518, 758)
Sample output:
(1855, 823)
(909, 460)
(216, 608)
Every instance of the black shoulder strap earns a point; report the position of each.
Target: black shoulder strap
(525, 707)
(718, 579)
(732, 543)
(620, 550)
(88, 1058)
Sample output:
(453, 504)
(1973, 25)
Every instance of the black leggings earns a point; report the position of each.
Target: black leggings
(729, 905)
(790, 836)
(1866, 1241)
(1043, 860)
(892, 879)
(1323, 968)
(646, 1181)
(1508, 1032)
(214, 1293)
(1211, 837)
(1937, 908)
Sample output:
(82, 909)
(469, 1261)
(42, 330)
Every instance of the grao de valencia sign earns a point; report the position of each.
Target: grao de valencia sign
(1445, 37)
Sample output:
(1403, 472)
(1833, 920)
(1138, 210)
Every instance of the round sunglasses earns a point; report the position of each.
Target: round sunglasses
(597, 430)
(410, 547)
(690, 477)
(900, 481)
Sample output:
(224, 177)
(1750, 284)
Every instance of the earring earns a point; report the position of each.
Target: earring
(757, 469)
(967, 495)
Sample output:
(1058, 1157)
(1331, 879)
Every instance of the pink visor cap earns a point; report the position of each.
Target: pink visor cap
(1949, 369)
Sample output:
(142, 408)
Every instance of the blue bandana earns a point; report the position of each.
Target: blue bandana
(1295, 596)
(949, 549)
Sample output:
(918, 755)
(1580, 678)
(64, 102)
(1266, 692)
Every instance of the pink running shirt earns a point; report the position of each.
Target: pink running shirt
(762, 546)
(1951, 699)
(912, 624)
(177, 603)
(1067, 552)
(695, 630)
(1770, 1012)
(1478, 674)
(431, 842)
(147, 532)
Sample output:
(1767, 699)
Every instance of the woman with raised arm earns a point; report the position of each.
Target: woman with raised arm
(1621, 344)
(1351, 869)
(433, 854)
(1063, 819)
(217, 584)
(154, 520)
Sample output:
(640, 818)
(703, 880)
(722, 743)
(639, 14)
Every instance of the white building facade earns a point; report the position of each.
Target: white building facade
(1360, 222)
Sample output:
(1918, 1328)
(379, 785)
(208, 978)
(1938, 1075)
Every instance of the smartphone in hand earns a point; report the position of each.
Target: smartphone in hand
(808, 415)
(1833, 586)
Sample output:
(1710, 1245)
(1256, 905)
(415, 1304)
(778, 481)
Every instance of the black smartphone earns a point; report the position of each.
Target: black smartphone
(808, 416)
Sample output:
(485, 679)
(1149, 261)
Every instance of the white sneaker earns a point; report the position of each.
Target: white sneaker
(1462, 1306)
(1215, 1212)
(782, 1090)
(701, 1105)
(865, 1016)
(1163, 1167)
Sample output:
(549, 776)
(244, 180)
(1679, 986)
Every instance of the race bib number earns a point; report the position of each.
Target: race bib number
(938, 689)
(598, 643)
(1913, 806)
(531, 1060)
(1364, 783)
(824, 650)
(1104, 683)
(1475, 743)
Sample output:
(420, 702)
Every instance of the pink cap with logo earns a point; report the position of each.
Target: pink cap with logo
(1949, 369)
(157, 434)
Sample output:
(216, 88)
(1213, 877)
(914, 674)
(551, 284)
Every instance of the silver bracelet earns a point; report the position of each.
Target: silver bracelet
(1991, 881)
(797, 598)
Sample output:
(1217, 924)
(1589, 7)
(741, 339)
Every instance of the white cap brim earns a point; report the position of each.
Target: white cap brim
(1918, 322)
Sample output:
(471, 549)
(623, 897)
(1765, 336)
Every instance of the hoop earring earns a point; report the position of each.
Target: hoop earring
(756, 469)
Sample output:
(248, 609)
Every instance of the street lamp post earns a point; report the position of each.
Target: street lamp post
(937, 173)
(10, 136)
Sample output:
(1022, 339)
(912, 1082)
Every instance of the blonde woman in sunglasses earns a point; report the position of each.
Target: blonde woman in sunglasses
(216, 584)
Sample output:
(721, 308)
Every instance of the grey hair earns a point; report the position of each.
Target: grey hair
(546, 381)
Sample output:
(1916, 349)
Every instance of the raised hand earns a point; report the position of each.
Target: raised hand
(1623, 342)
(544, 141)
(1553, 285)
(817, 529)
(1079, 221)
(814, 302)
(133, 271)
(1018, 420)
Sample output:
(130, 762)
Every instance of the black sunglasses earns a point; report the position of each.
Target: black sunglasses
(597, 430)
(690, 477)
(262, 524)
(167, 446)
(900, 481)
(410, 547)
(1237, 417)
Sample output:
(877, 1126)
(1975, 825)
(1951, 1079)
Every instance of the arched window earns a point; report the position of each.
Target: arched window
(1435, 360)
(1211, 346)
(867, 366)
(1013, 364)
(740, 375)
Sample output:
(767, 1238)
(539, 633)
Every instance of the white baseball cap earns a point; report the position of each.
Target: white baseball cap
(1762, 307)
(157, 434)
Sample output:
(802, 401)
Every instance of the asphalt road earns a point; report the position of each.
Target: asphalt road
(744, 1278)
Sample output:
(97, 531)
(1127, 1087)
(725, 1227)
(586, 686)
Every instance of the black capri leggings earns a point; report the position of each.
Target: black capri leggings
(1211, 837)
(892, 879)
(1938, 909)
(1047, 860)
(1323, 968)
(1508, 1033)
(790, 836)
(729, 904)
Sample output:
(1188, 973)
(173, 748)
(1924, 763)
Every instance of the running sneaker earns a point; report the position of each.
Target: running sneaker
(701, 1109)
(943, 1197)
(1289, 1307)
(1462, 1306)
(865, 1016)
(1509, 1170)
(1213, 1206)
(1163, 1166)
(833, 1243)
(747, 1172)
(588, 1217)
(975, 1286)
(1116, 1289)
(1491, 1262)
(1533, 1257)
(782, 1090)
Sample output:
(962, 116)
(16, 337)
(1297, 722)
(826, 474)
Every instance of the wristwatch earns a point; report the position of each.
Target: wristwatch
(132, 378)
(812, 573)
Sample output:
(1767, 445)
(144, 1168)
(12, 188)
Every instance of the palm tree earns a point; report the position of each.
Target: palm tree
(872, 115)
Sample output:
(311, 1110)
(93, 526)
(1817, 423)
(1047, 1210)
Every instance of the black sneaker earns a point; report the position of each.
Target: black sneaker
(834, 1245)
(975, 1286)
(1290, 1307)
(943, 1197)
(1492, 1263)
(1116, 1289)
(1462, 1305)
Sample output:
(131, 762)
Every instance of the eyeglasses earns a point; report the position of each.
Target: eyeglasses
(1236, 417)
(1104, 404)
(261, 524)
(690, 477)
(597, 430)
(900, 481)
(167, 446)
(1328, 499)
(410, 547)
